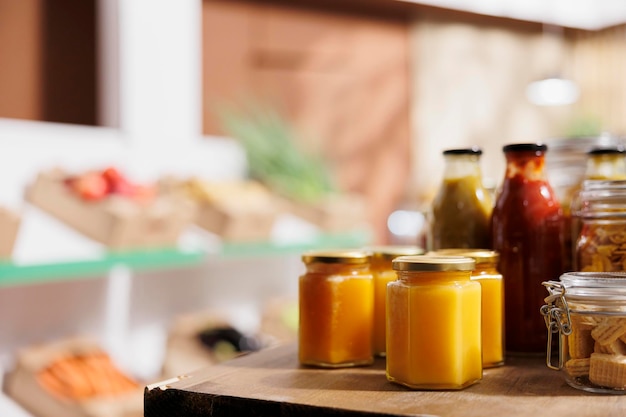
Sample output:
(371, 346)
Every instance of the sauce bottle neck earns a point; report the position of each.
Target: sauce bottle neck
(460, 166)
(529, 165)
(606, 167)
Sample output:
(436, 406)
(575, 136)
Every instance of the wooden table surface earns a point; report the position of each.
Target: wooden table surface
(271, 383)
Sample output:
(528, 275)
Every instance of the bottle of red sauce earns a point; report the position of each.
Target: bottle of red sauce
(527, 230)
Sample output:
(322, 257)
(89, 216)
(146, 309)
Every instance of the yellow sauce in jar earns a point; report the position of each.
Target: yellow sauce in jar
(383, 272)
(336, 305)
(492, 287)
(434, 323)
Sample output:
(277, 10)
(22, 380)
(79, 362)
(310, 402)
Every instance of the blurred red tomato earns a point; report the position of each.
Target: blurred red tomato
(90, 186)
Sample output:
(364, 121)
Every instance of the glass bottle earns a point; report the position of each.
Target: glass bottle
(462, 207)
(585, 310)
(528, 232)
(606, 163)
(433, 323)
(601, 213)
(383, 273)
(492, 296)
(336, 309)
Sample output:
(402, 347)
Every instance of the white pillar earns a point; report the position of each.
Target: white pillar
(151, 85)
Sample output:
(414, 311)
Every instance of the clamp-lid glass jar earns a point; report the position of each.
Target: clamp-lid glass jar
(336, 308)
(587, 310)
(433, 323)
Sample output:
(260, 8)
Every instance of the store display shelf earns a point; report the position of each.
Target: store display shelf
(12, 274)
(352, 239)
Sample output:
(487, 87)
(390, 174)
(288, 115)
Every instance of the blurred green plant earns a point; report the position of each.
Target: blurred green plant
(275, 153)
(584, 126)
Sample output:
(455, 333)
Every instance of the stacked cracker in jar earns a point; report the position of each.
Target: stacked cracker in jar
(589, 310)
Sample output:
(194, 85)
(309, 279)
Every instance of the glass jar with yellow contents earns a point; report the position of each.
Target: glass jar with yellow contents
(492, 289)
(383, 272)
(336, 307)
(433, 323)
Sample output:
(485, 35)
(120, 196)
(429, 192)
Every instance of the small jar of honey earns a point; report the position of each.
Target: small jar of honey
(336, 308)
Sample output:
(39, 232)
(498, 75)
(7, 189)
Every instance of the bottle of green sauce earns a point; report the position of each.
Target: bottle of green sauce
(461, 210)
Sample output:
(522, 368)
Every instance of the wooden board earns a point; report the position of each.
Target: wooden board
(271, 383)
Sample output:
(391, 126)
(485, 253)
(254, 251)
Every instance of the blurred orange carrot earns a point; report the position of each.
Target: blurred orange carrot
(84, 376)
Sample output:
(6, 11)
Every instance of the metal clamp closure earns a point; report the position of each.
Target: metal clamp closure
(557, 317)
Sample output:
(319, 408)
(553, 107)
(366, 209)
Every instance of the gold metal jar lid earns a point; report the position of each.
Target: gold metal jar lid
(433, 263)
(337, 256)
(481, 256)
(393, 251)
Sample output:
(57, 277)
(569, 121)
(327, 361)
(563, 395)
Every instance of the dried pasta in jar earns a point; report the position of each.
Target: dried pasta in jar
(601, 242)
(602, 247)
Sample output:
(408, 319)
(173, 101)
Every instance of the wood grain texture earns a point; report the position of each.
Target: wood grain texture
(271, 383)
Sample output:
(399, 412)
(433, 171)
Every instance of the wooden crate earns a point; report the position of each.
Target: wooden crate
(115, 221)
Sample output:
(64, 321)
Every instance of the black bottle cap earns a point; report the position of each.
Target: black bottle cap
(606, 150)
(474, 150)
(525, 147)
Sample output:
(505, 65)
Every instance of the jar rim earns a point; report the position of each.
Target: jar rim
(427, 263)
(592, 279)
(608, 286)
(479, 255)
(600, 199)
(389, 252)
(340, 256)
(591, 184)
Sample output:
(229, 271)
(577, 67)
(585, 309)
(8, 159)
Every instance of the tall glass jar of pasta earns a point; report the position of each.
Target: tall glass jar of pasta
(603, 163)
(601, 212)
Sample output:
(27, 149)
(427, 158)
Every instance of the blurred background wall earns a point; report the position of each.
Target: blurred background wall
(48, 52)
(380, 88)
(470, 77)
(384, 88)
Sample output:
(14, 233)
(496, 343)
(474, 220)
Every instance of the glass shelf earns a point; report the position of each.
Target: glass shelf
(354, 239)
(13, 274)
